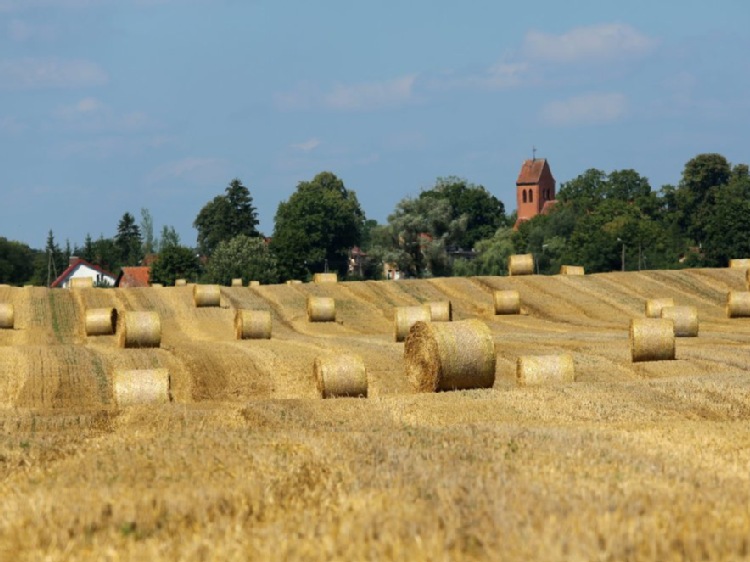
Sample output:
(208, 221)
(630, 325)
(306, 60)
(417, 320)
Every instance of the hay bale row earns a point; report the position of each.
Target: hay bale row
(101, 321)
(654, 306)
(507, 302)
(441, 311)
(237, 282)
(738, 304)
(141, 386)
(252, 324)
(254, 284)
(7, 316)
(536, 370)
(685, 319)
(651, 339)
(140, 329)
(404, 317)
(521, 264)
(157, 285)
(325, 278)
(740, 263)
(206, 295)
(294, 282)
(81, 283)
(572, 270)
(340, 376)
(321, 309)
(450, 356)
(180, 282)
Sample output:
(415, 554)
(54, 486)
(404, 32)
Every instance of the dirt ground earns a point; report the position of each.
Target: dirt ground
(645, 461)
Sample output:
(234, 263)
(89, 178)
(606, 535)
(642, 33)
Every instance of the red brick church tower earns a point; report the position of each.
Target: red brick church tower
(535, 189)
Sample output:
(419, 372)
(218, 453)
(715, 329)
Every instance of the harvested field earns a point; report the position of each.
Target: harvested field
(633, 461)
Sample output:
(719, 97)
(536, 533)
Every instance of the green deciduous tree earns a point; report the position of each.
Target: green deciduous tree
(16, 262)
(147, 232)
(242, 257)
(318, 224)
(169, 237)
(727, 228)
(225, 217)
(174, 262)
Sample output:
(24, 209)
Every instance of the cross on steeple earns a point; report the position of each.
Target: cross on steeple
(533, 153)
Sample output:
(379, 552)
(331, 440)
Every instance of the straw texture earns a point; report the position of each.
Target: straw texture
(404, 317)
(180, 282)
(340, 376)
(101, 321)
(321, 309)
(325, 278)
(738, 304)
(81, 283)
(450, 356)
(572, 270)
(206, 295)
(252, 324)
(293, 282)
(157, 285)
(507, 302)
(536, 370)
(441, 311)
(651, 339)
(254, 284)
(654, 306)
(685, 320)
(7, 316)
(140, 329)
(141, 386)
(521, 264)
(741, 263)
(747, 279)
(237, 282)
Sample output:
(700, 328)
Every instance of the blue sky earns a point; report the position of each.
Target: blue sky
(108, 106)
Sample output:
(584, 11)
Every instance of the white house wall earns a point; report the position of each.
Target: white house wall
(83, 271)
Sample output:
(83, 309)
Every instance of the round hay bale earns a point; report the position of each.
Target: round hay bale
(294, 282)
(572, 270)
(685, 320)
(140, 329)
(404, 317)
(535, 370)
(81, 283)
(141, 386)
(651, 339)
(7, 316)
(521, 264)
(441, 311)
(741, 263)
(738, 304)
(101, 321)
(254, 284)
(747, 279)
(237, 282)
(321, 309)
(206, 295)
(340, 376)
(325, 278)
(450, 356)
(180, 283)
(252, 324)
(654, 306)
(157, 285)
(507, 302)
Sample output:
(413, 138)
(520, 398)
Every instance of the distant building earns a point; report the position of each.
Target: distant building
(79, 268)
(535, 190)
(134, 277)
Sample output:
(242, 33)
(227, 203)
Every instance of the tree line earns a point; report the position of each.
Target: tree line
(603, 221)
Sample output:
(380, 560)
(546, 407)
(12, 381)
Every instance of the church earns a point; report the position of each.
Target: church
(535, 190)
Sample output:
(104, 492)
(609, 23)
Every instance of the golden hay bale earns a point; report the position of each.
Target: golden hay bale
(441, 311)
(325, 278)
(572, 270)
(651, 339)
(521, 264)
(7, 316)
(141, 386)
(654, 306)
(254, 284)
(140, 329)
(534, 370)
(741, 263)
(157, 285)
(738, 304)
(101, 321)
(507, 302)
(206, 295)
(237, 282)
(450, 356)
(294, 282)
(404, 317)
(685, 320)
(252, 324)
(321, 309)
(180, 282)
(81, 283)
(340, 375)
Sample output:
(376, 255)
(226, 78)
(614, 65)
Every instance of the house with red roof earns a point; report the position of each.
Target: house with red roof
(535, 190)
(78, 269)
(134, 277)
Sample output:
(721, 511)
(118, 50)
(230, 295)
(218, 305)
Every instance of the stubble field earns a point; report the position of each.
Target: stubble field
(645, 461)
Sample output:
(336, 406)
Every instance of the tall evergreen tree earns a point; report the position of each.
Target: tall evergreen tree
(225, 217)
(128, 240)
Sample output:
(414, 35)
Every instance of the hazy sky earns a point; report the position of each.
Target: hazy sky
(108, 106)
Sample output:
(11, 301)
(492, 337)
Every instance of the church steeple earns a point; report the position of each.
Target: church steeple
(535, 188)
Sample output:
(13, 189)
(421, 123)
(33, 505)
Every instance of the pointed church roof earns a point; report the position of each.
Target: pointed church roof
(532, 170)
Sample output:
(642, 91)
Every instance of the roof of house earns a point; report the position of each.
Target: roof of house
(134, 277)
(73, 266)
(531, 171)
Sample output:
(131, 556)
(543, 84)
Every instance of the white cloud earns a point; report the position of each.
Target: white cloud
(308, 145)
(596, 42)
(92, 115)
(194, 170)
(586, 109)
(43, 73)
(371, 95)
